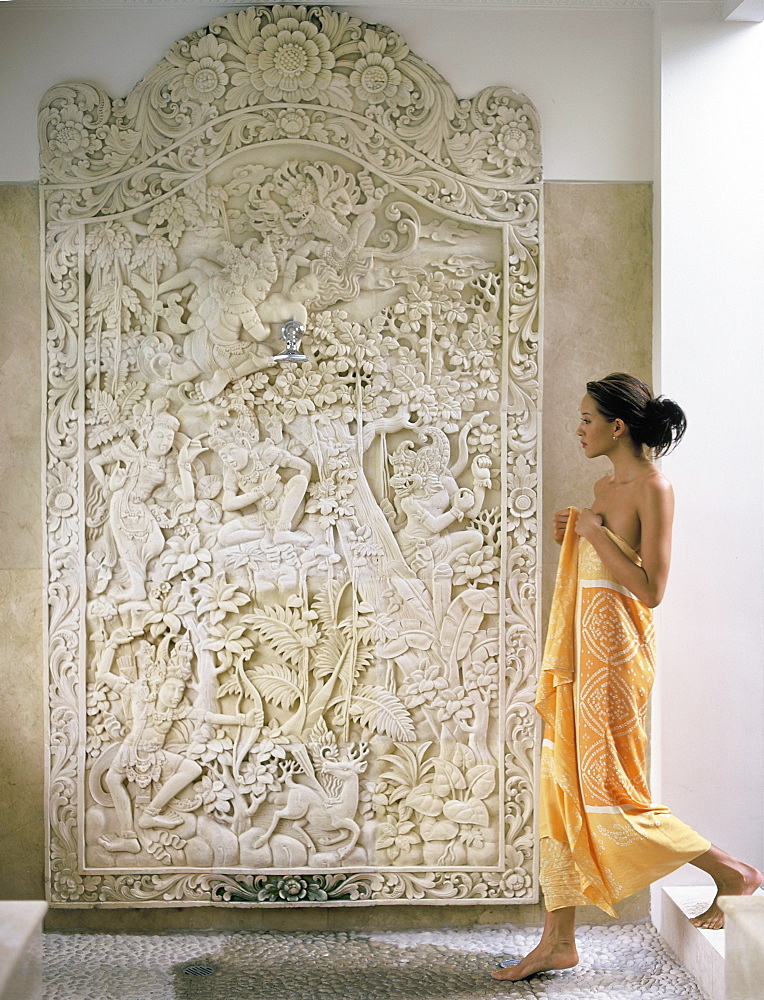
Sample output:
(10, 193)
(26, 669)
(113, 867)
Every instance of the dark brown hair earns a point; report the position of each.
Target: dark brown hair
(653, 421)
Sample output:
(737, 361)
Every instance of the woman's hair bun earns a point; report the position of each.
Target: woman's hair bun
(664, 424)
(658, 423)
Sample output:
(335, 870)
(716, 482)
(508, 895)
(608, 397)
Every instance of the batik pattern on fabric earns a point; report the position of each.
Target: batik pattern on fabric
(602, 837)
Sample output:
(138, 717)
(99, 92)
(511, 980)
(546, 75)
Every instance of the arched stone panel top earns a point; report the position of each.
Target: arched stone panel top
(281, 74)
(292, 633)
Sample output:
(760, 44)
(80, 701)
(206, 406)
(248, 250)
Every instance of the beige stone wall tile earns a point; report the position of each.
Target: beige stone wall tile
(20, 383)
(22, 827)
(597, 319)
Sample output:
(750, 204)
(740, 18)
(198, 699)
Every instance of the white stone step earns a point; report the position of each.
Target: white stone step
(700, 951)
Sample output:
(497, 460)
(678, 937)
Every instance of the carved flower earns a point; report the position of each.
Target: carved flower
(376, 79)
(68, 885)
(521, 502)
(70, 135)
(363, 543)
(167, 610)
(415, 308)
(259, 778)
(482, 674)
(217, 598)
(302, 392)
(294, 123)
(330, 500)
(291, 889)
(474, 347)
(153, 254)
(62, 498)
(205, 78)
(516, 883)
(290, 60)
(514, 142)
(476, 567)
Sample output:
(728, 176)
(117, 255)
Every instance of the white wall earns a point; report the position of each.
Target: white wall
(588, 72)
(711, 229)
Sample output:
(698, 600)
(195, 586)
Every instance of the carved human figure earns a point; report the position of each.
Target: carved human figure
(225, 329)
(155, 704)
(130, 474)
(430, 502)
(253, 482)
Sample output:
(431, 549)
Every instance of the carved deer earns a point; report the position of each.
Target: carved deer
(322, 813)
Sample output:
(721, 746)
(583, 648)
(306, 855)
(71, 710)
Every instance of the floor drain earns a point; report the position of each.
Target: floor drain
(198, 970)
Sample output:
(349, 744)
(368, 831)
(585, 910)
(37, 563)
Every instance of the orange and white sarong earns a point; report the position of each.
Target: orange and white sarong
(602, 838)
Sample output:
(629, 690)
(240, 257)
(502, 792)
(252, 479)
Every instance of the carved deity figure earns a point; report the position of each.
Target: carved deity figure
(129, 475)
(154, 704)
(254, 485)
(430, 502)
(225, 332)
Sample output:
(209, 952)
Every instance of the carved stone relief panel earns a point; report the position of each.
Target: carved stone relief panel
(292, 627)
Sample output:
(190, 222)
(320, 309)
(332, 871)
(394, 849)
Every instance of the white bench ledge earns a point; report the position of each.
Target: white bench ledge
(21, 949)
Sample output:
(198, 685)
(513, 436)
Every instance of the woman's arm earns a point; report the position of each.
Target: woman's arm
(655, 509)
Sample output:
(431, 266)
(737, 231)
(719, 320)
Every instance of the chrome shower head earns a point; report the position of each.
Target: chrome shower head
(292, 331)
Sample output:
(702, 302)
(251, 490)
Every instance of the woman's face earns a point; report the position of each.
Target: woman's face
(171, 692)
(234, 456)
(161, 438)
(594, 431)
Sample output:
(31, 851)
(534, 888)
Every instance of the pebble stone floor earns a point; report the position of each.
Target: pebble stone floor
(621, 962)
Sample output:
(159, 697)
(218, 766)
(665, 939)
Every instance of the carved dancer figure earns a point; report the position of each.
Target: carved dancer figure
(253, 480)
(130, 474)
(155, 704)
(602, 837)
(225, 329)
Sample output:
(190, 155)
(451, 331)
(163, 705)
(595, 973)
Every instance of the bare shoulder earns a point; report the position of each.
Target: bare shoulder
(654, 489)
(602, 484)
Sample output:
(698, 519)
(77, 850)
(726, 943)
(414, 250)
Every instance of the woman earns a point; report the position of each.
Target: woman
(601, 836)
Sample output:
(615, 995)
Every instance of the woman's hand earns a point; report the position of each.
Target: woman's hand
(587, 523)
(560, 523)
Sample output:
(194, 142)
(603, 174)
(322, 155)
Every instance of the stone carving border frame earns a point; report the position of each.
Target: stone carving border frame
(143, 165)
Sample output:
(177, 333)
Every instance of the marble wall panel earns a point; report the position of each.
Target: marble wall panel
(22, 836)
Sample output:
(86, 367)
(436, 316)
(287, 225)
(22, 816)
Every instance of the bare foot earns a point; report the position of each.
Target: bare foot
(153, 820)
(126, 842)
(737, 880)
(543, 958)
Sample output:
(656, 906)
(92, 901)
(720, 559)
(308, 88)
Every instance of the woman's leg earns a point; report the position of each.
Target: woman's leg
(732, 877)
(555, 950)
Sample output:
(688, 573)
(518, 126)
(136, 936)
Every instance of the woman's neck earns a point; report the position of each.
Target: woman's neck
(629, 464)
